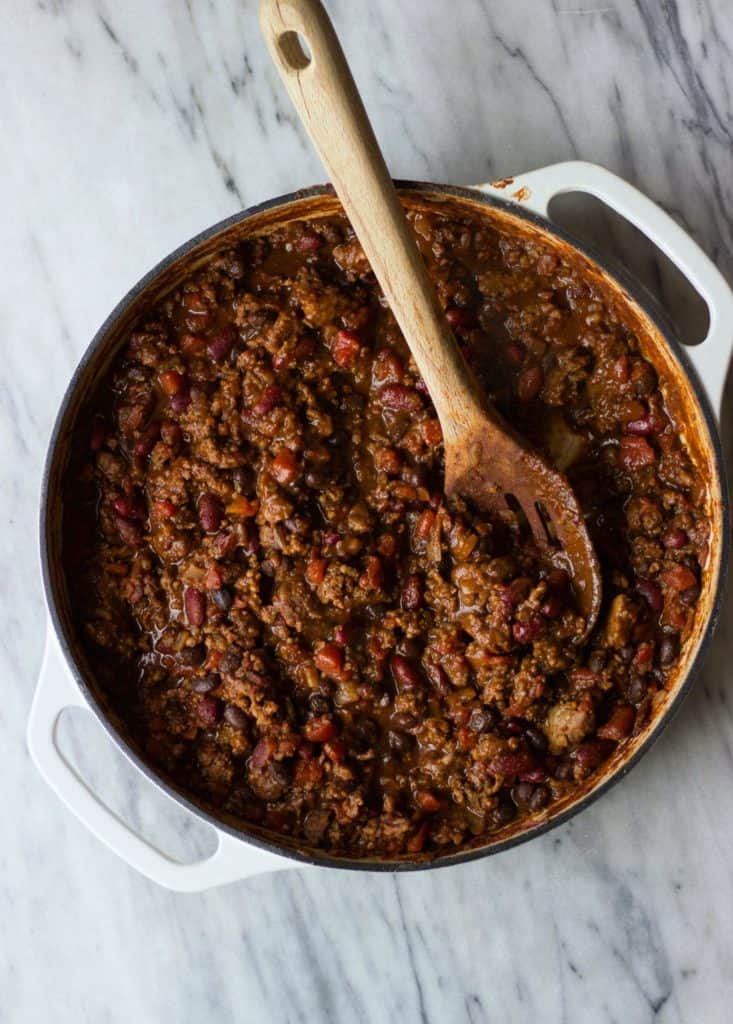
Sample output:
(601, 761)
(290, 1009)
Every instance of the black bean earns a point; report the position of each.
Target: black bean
(536, 738)
(319, 704)
(235, 716)
(669, 650)
(637, 687)
(222, 598)
(404, 720)
(522, 794)
(231, 659)
(503, 814)
(206, 684)
(192, 657)
(565, 771)
(483, 719)
(399, 742)
(597, 661)
(539, 798)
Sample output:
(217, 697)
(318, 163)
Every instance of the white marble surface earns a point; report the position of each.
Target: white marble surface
(127, 128)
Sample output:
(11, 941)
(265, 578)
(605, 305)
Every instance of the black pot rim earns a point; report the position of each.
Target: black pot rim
(637, 292)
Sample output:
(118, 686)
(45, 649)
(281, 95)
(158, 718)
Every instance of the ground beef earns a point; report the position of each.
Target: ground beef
(277, 598)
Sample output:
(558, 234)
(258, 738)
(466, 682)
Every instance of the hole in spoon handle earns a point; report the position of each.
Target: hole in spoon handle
(294, 51)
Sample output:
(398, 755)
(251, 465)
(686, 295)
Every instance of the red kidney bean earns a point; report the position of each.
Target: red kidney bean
(309, 243)
(400, 397)
(416, 841)
(329, 660)
(458, 317)
(511, 763)
(405, 675)
(428, 801)
(412, 593)
(181, 401)
(635, 453)
(526, 632)
(268, 398)
(516, 352)
(516, 592)
(679, 578)
(344, 634)
(534, 775)
(619, 725)
(210, 513)
(319, 730)
(346, 348)
(438, 679)
(171, 433)
(235, 717)
(263, 753)
(652, 594)
(552, 606)
(220, 344)
(129, 531)
(209, 710)
(675, 539)
(147, 441)
(130, 508)
(530, 383)
(284, 467)
(591, 753)
(195, 604)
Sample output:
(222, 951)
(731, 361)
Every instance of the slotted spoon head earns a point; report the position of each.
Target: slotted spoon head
(495, 469)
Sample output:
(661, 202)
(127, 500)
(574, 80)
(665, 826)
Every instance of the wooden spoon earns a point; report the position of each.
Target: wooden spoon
(486, 460)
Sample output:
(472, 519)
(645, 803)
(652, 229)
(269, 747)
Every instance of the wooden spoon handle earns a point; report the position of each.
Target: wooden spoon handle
(325, 95)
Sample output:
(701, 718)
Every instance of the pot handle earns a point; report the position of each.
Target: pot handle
(232, 860)
(534, 191)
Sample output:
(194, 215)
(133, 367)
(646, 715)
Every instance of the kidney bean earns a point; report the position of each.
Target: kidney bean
(130, 508)
(635, 453)
(235, 717)
(458, 317)
(221, 344)
(679, 578)
(263, 753)
(129, 532)
(591, 753)
(522, 793)
(171, 433)
(319, 730)
(222, 598)
(511, 763)
(637, 687)
(268, 398)
(308, 242)
(405, 675)
(181, 401)
(416, 841)
(346, 348)
(231, 659)
(669, 650)
(516, 592)
(210, 513)
(192, 657)
(619, 725)
(400, 398)
(529, 630)
(534, 775)
(145, 444)
(503, 814)
(195, 604)
(206, 684)
(675, 539)
(387, 368)
(209, 710)
(329, 660)
(552, 606)
(336, 750)
(530, 383)
(428, 801)
(516, 353)
(652, 594)
(412, 593)
(284, 467)
(620, 370)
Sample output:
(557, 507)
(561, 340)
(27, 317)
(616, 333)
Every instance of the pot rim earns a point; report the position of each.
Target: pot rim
(660, 321)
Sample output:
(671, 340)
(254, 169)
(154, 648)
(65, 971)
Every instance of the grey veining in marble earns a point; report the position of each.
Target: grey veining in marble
(128, 127)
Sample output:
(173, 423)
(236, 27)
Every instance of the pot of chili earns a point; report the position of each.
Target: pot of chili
(254, 581)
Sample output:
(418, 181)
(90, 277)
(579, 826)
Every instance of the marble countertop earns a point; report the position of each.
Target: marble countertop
(128, 128)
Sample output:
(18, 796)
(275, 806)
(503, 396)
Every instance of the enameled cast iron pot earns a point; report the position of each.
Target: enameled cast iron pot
(522, 205)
